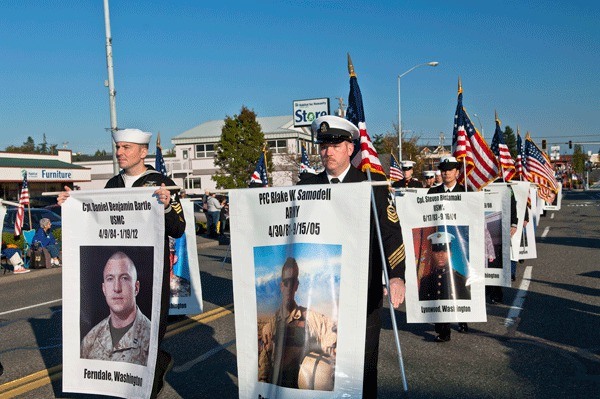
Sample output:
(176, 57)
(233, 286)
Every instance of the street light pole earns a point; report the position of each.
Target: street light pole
(110, 83)
(431, 63)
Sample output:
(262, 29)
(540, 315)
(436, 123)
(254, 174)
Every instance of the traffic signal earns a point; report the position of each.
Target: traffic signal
(570, 144)
(543, 144)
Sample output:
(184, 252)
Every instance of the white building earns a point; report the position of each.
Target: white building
(193, 164)
(45, 173)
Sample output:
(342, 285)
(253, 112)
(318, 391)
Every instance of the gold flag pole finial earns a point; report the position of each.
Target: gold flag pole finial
(459, 85)
(158, 141)
(497, 120)
(351, 67)
(527, 136)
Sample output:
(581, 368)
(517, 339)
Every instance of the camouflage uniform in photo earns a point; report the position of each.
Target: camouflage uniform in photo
(300, 333)
(132, 347)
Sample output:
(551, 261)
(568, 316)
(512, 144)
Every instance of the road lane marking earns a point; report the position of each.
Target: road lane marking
(30, 307)
(188, 365)
(517, 304)
(36, 380)
(552, 215)
(546, 230)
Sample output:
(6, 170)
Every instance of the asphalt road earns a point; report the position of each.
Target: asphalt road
(545, 345)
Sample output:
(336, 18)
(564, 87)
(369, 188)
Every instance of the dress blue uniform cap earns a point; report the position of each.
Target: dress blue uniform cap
(408, 164)
(333, 129)
(448, 163)
(440, 237)
(135, 136)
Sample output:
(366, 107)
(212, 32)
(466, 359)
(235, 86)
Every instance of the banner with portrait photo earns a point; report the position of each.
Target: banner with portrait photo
(527, 247)
(2, 215)
(300, 277)
(521, 192)
(113, 243)
(497, 234)
(186, 289)
(556, 204)
(445, 265)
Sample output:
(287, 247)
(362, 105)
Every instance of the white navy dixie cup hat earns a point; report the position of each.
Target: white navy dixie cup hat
(429, 174)
(440, 241)
(448, 162)
(333, 129)
(135, 136)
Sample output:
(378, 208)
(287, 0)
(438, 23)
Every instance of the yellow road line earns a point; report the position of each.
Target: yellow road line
(36, 380)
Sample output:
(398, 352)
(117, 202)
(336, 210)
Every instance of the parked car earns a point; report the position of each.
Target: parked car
(37, 214)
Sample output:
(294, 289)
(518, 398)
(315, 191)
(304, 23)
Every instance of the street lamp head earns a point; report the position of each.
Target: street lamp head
(433, 63)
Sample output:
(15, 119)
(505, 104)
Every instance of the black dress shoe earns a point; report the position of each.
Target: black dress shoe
(513, 277)
(496, 301)
(463, 328)
(440, 338)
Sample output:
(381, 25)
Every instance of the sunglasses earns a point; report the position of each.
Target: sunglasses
(439, 247)
(289, 282)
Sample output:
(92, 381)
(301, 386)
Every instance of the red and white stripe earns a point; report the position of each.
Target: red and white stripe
(366, 158)
(480, 160)
(506, 162)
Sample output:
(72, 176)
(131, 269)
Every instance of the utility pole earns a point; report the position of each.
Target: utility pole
(110, 83)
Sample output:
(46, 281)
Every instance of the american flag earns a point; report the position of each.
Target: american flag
(500, 149)
(23, 200)
(260, 173)
(520, 169)
(468, 144)
(159, 161)
(304, 164)
(395, 169)
(365, 154)
(539, 170)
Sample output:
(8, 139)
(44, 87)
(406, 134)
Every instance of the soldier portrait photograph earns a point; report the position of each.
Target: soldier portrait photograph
(116, 303)
(442, 262)
(297, 290)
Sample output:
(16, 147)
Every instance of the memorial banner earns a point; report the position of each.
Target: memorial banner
(527, 249)
(555, 205)
(445, 263)
(497, 234)
(186, 289)
(300, 276)
(113, 243)
(2, 215)
(521, 192)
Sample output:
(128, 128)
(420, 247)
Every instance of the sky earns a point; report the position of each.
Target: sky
(180, 63)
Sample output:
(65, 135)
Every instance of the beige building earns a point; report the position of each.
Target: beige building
(45, 173)
(193, 164)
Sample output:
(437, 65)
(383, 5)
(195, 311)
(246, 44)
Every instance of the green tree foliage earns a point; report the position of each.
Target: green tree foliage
(239, 149)
(29, 147)
(511, 141)
(579, 159)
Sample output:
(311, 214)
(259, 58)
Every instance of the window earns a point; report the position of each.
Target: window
(278, 146)
(185, 154)
(205, 150)
(192, 182)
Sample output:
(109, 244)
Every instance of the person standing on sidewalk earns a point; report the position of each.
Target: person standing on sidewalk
(213, 215)
(132, 149)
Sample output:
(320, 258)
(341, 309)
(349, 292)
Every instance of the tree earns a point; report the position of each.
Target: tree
(511, 141)
(579, 159)
(239, 149)
(42, 148)
(388, 144)
(27, 147)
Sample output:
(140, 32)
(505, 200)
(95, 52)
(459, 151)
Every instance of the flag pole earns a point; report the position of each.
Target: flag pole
(387, 284)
